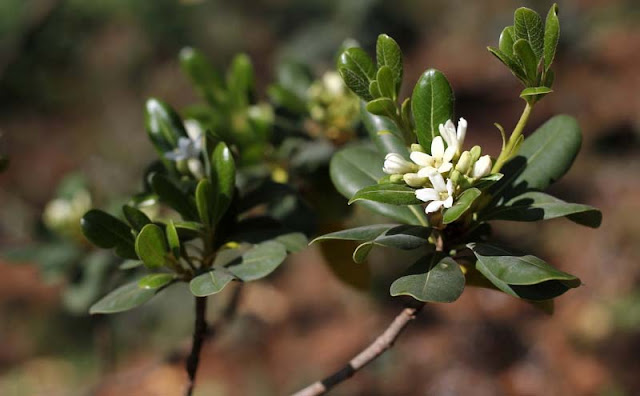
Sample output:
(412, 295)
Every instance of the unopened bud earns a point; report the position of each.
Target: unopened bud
(455, 176)
(482, 167)
(476, 152)
(395, 178)
(464, 163)
(413, 180)
(417, 147)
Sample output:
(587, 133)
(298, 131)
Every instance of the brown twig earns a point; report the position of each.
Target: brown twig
(369, 354)
(199, 334)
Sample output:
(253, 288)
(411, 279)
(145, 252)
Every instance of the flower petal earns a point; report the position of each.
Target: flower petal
(449, 153)
(462, 131)
(450, 187)
(427, 194)
(437, 147)
(438, 182)
(433, 206)
(447, 203)
(427, 171)
(421, 159)
(445, 167)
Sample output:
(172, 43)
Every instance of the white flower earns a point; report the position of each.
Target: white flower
(441, 195)
(439, 160)
(194, 129)
(394, 164)
(187, 149)
(333, 83)
(451, 136)
(482, 167)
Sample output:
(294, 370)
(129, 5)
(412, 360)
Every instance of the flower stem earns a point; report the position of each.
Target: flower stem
(507, 150)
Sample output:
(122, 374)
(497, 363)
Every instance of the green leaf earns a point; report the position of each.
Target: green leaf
(173, 239)
(386, 83)
(224, 179)
(535, 206)
(357, 71)
(204, 200)
(188, 229)
(527, 59)
(107, 232)
(487, 181)
(382, 107)
(535, 91)
(431, 280)
(526, 277)
(202, 74)
(384, 133)
(294, 242)
(511, 63)
(374, 89)
(365, 233)
(461, 205)
(393, 194)
(164, 126)
(388, 54)
(551, 36)
(544, 158)
(431, 104)
(130, 264)
(173, 196)
(211, 282)
(122, 299)
(240, 79)
(528, 26)
(155, 281)
(259, 261)
(507, 38)
(361, 252)
(356, 167)
(135, 217)
(151, 246)
(404, 237)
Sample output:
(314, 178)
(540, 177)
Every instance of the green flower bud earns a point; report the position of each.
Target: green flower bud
(395, 178)
(455, 176)
(476, 152)
(417, 147)
(464, 163)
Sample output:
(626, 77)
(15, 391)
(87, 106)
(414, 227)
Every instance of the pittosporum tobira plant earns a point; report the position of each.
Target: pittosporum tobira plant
(206, 232)
(444, 195)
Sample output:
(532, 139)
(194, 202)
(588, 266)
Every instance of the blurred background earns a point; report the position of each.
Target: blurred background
(74, 75)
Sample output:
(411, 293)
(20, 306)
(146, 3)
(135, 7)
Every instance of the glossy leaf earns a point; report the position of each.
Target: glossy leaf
(535, 91)
(393, 194)
(294, 242)
(188, 229)
(487, 181)
(259, 261)
(544, 157)
(431, 280)
(382, 107)
(551, 36)
(461, 205)
(535, 206)
(388, 54)
(356, 167)
(155, 281)
(202, 74)
(164, 126)
(386, 83)
(107, 232)
(527, 59)
(122, 299)
(240, 79)
(151, 246)
(172, 239)
(204, 200)
(507, 39)
(224, 179)
(173, 196)
(210, 282)
(357, 71)
(136, 218)
(403, 237)
(384, 133)
(510, 62)
(431, 104)
(364, 233)
(526, 277)
(528, 26)
(374, 89)
(361, 252)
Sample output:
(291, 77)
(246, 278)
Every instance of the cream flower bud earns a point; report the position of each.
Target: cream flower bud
(395, 178)
(413, 180)
(476, 152)
(482, 167)
(396, 164)
(464, 163)
(417, 147)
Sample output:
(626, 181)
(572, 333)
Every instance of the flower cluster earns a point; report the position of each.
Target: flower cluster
(439, 176)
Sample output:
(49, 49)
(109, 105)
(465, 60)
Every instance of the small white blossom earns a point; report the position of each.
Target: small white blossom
(438, 161)
(194, 129)
(451, 136)
(441, 195)
(394, 164)
(482, 167)
(187, 149)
